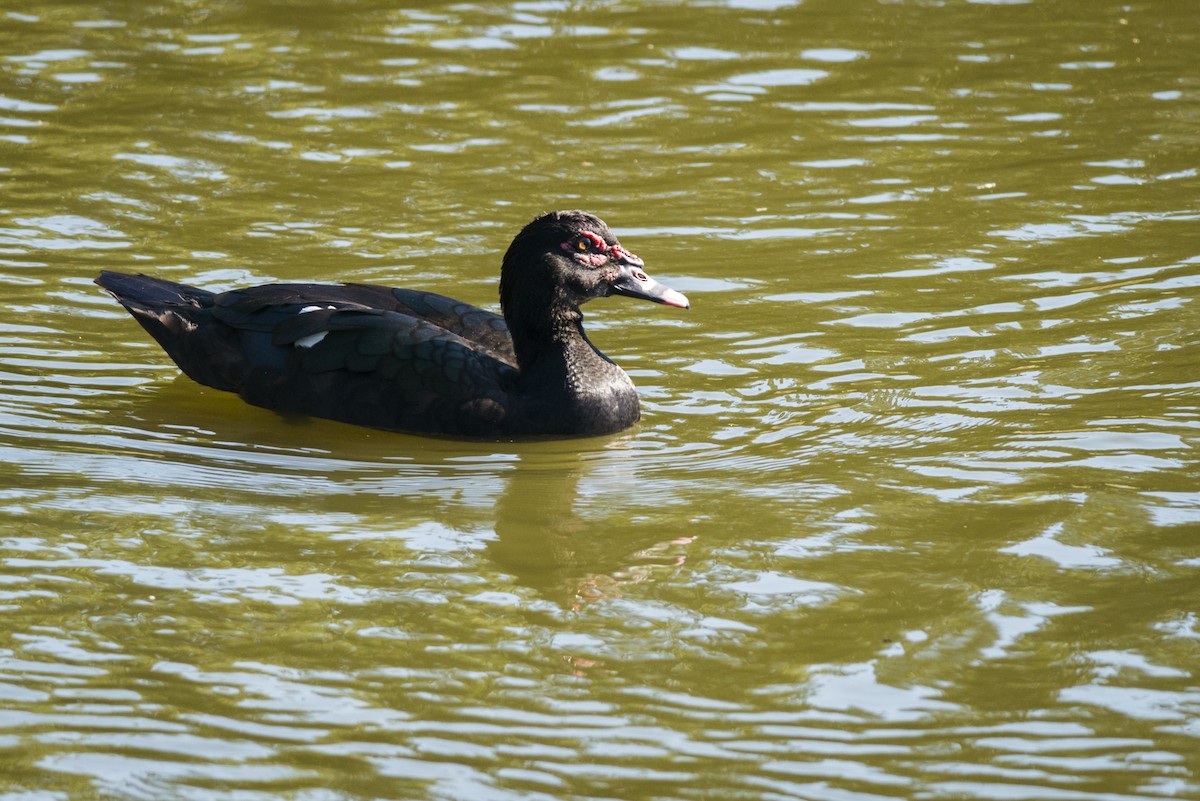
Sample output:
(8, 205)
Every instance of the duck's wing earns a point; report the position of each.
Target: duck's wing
(369, 366)
(484, 328)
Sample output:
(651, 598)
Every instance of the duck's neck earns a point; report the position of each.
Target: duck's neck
(552, 346)
(567, 383)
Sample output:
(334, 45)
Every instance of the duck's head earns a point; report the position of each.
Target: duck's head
(563, 259)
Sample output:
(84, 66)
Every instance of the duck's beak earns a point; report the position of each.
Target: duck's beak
(633, 282)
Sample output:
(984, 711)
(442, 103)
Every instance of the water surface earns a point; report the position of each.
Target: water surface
(913, 508)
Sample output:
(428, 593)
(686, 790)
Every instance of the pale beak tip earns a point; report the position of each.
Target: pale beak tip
(678, 299)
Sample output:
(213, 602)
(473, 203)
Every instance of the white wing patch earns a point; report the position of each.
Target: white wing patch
(312, 339)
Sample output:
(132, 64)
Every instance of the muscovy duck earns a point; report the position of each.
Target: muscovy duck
(407, 360)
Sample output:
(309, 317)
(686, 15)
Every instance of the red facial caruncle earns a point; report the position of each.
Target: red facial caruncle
(591, 249)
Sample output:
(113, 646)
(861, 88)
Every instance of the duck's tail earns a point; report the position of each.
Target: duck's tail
(141, 293)
(179, 318)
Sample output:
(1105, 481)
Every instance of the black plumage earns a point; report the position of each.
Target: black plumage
(417, 361)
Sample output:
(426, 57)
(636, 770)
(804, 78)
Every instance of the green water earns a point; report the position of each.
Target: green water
(914, 508)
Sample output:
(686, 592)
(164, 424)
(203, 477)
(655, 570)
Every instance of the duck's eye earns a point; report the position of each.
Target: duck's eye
(589, 241)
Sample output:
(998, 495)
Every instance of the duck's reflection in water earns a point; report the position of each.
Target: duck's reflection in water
(575, 520)
(575, 547)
